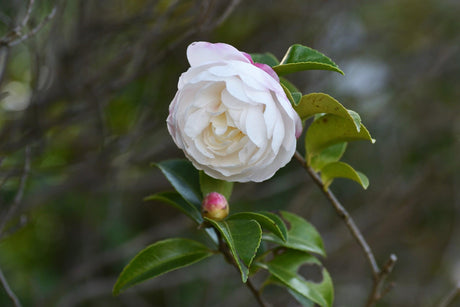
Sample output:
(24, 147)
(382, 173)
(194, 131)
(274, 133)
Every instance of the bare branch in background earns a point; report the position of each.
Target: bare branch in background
(15, 36)
(26, 18)
(34, 31)
(4, 51)
(8, 290)
(451, 296)
(228, 11)
(14, 207)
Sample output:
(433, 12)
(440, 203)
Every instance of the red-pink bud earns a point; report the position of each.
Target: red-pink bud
(215, 206)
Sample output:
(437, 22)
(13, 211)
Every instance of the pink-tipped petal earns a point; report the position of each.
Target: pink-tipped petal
(268, 70)
(248, 56)
(200, 53)
(215, 206)
(298, 126)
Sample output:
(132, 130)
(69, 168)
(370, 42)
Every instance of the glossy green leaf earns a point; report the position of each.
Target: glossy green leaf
(288, 94)
(267, 220)
(331, 129)
(209, 184)
(265, 58)
(342, 170)
(184, 177)
(297, 96)
(317, 103)
(243, 237)
(293, 93)
(285, 268)
(289, 85)
(159, 258)
(356, 119)
(299, 58)
(330, 154)
(176, 200)
(305, 302)
(301, 235)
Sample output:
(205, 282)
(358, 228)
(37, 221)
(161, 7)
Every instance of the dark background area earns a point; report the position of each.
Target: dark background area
(87, 101)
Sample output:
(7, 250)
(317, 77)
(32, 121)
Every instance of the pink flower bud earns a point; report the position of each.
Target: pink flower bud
(215, 206)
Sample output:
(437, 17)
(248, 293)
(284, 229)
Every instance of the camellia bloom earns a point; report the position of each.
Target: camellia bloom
(231, 116)
(215, 206)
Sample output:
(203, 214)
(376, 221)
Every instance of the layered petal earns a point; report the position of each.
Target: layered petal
(199, 53)
(231, 116)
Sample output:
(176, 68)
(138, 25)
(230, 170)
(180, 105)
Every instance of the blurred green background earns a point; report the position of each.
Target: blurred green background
(86, 102)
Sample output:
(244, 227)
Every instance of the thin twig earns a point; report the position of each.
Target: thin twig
(451, 296)
(19, 194)
(34, 30)
(377, 290)
(228, 11)
(3, 60)
(8, 290)
(342, 212)
(28, 13)
(379, 276)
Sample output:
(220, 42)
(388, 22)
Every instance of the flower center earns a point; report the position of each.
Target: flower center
(222, 137)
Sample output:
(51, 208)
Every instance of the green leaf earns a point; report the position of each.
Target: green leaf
(317, 103)
(331, 129)
(297, 96)
(330, 154)
(267, 220)
(301, 235)
(285, 266)
(289, 85)
(243, 237)
(342, 170)
(265, 58)
(159, 258)
(209, 184)
(305, 302)
(356, 119)
(192, 211)
(184, 178)
(288, 94)
(299, 58)
(176, 200)
(294, 95)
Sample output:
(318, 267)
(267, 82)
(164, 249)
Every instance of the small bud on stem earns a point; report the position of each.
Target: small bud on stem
(215, 206)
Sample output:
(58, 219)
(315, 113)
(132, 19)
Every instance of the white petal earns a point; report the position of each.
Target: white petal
(219, 124)
(196, 122)
(255, 126)
(199, 53)
(235, 88)
(247, 152)
(258, 96)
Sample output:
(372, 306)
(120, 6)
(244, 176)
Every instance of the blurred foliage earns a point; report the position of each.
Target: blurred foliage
(89, 94)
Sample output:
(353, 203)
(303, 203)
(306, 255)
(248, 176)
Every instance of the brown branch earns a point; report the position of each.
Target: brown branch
(342, 212)
(8, 290)
(377, 290)
(379, 276)
(451, 296)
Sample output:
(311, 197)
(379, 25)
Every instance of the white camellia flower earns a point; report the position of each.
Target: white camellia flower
(231, 116)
